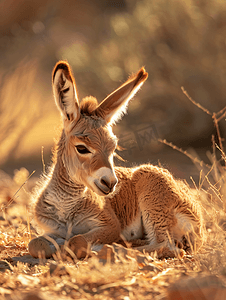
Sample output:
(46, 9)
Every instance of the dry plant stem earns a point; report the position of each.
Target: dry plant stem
(12, 199)
(222, 111)
(28, 223)
(214, 159)
(214, 189)
(219, 171)
(193, 159)
(214, 116)
(204, 177)
(221, 117)
(200, 177)
(222, 152)
(214, 147)
(212, 186)
(218, 131)
(195, 103)
(194, 183)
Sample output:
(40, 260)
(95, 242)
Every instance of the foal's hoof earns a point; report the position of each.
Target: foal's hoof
(40, 247)
(78, 245)
(165, 252)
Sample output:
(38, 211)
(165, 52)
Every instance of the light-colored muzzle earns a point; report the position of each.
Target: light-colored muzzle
(104, 180)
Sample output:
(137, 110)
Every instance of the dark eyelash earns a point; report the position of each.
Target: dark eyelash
(82, 149)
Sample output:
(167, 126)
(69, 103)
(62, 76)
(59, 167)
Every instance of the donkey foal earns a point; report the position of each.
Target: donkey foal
(86, 200)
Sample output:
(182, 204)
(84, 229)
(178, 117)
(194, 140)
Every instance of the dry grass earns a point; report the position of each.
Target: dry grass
(111, 273)
(127, 278)
(130, 276)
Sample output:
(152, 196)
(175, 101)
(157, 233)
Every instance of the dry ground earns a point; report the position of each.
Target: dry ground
(114, 273)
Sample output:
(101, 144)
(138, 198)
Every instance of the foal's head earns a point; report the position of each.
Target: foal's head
(89, 143)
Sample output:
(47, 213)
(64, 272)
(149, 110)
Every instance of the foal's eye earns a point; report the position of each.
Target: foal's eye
(82, 149)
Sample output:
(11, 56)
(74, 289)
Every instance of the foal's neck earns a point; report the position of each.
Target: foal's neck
(63, 181)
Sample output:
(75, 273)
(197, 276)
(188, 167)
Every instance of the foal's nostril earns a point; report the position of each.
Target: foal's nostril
(107, 182)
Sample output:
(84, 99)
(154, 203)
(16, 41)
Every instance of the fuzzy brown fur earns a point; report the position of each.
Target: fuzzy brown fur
(86, 200)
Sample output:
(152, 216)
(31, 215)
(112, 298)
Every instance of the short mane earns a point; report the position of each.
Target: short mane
(88, 105)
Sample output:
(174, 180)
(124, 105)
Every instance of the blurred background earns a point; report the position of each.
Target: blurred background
(180, 43)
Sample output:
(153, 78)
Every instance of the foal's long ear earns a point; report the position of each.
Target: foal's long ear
(64, 91)
(114, 105)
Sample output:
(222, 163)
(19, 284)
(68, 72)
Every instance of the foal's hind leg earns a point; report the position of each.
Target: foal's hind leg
(157, 197)
(159, 236)
(45, 246)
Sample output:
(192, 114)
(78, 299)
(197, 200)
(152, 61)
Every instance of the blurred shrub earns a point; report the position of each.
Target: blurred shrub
(180, 42)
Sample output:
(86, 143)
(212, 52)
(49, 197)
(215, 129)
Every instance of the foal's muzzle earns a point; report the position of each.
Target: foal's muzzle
(106, 184)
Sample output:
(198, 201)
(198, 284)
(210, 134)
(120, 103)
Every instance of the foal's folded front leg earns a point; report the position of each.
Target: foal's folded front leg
(82, 243)
(45, 246)
(106, 229)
